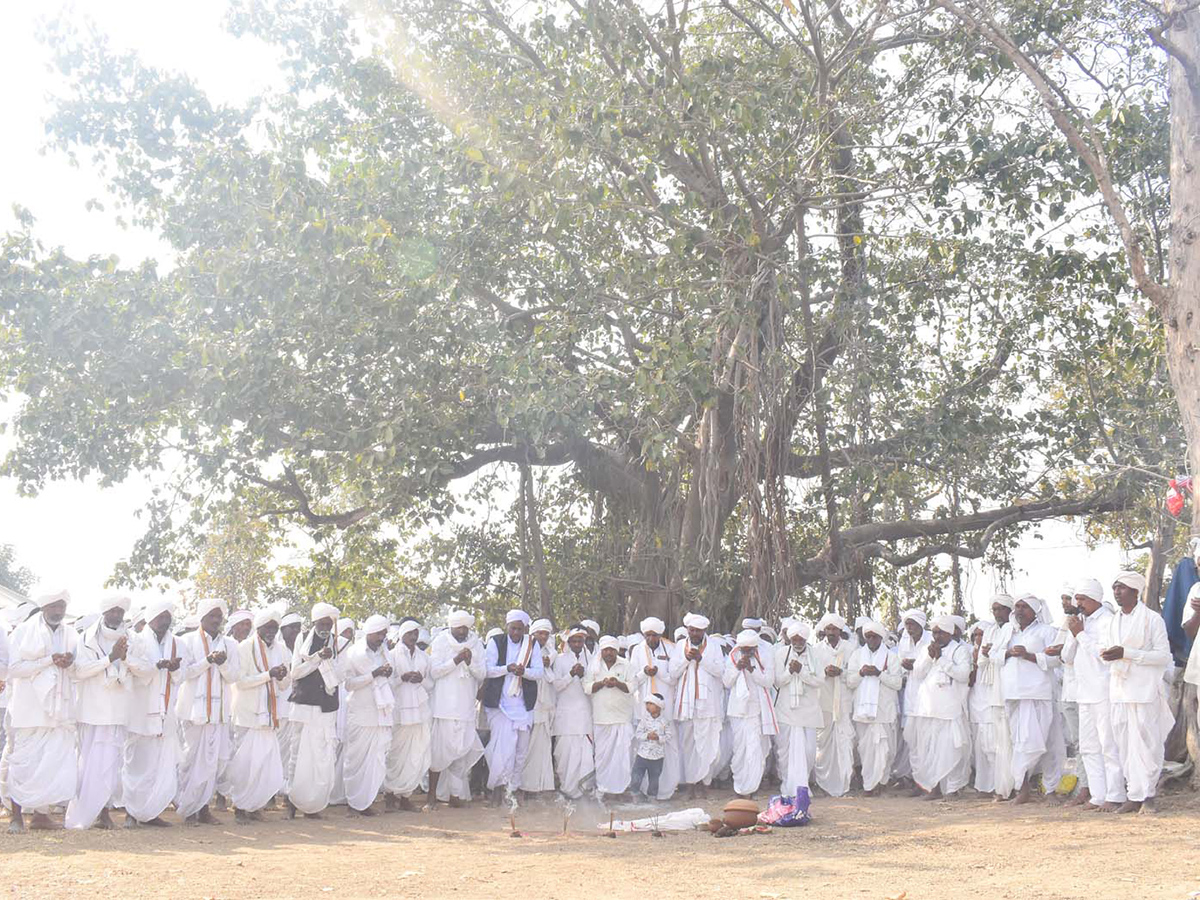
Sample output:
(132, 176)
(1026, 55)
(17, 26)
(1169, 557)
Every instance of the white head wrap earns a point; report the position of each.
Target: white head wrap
(917, 615)
(540, 625)
(870, 626)
(118, 602)
(408, 625)
(323, 611)
(290, 619)
(680, 633)
(831, 618)
(653, 625)
(46, 599)
(609, 641)
(861, 621)
(516, 615)
(752, 623)
(960, 623)
(1036, 604)
(695, 620)
(657, 700)
(582, 632)
(460, 618)
(156, 608)
(423, 636)
(1090, 587)
(376, 624)
(591, 625)
(944, 623)
(208, 604)
(1004, 600)
(768, 632)
(265, 616)
(491, 633)
(242, 615)
(747, 638)
(800, 627)
(1134, 580)
(190, 622)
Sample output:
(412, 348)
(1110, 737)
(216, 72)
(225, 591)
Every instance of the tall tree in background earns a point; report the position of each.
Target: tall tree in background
(14, 576)
(792, 296)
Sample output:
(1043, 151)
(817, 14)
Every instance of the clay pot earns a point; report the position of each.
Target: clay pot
(740, 813)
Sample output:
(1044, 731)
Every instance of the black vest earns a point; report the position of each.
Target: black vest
(493, 686)
(310, 690)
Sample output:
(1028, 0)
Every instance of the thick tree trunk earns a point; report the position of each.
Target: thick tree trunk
(545, 606)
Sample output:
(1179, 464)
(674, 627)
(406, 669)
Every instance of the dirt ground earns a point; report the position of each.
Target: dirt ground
(873, 848)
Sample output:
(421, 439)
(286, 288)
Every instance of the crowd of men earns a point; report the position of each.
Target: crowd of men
(137, 711)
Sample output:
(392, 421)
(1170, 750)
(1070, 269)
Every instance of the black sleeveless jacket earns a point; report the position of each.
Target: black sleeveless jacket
(493, 686)
(310, 690)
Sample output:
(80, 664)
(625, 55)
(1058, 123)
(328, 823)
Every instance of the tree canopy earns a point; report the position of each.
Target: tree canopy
(780, 305)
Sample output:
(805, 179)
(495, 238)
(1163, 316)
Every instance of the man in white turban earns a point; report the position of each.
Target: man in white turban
(103, 687)
(264, 674)
(697, 671)
(457, 665)
(651, 672)
(40, 766)
(1086, 634)
(514, 669)
(874, 675)
(608, 684)
(290, 626)
(370, 716)
(205, 708)
(835, 739)
(593, 634)
(993, 771)
(316, 673)
(1027, 681)
(799, 677)
(574, 756)
(1137, 652)
(153, 752)
(942, 744)
(914, 638)
(412, 724)
(751, 712)
(538, 774)
(239, 625)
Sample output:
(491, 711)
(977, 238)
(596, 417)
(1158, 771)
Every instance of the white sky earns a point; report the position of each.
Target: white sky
(73, 533)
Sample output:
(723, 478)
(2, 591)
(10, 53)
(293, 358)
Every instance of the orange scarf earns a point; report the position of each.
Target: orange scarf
(167, 689)
(208, 675)
(272, 707)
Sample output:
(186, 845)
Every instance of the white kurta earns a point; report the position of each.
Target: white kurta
(876, 706)
(699, 709)
(205, 711)
(256, 770)
(455, 744)
(538, 774)
(149, 779)
(1097, 745)
(510, 722)
(835, 738)
(940, 740)
(412, 724)
(752, 717)
(612, 710)
(798, 711)
(310, 775)
(574, 756)
(1034, 719)
(40, 764)
(369, 720)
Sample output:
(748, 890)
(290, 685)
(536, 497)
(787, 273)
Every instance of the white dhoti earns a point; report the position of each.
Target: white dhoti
(574, 762)
(310, 778)
(699, 749)
(996, 743)
(750, 749)
(256, 770)
(1037, 744)
(1098, 754)
(408, 758)
(984, 751)
(937, 750)
(724, 767)
(40, 767)
(286, 735)
(150, 778)
(202, 748)
(835, 756)
(101, 753)
(901, 764)
(455, 747)
(233, 734)
(614, 766)
(364, 762)
(538, 774)
(796, 746)
(507, 747)
(1140, 731)
(876, 749)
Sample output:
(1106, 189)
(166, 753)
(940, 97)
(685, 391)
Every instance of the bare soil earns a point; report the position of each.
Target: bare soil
(856, 847)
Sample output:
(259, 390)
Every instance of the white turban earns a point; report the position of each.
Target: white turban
(653, 625)
(120, 602)
(323, 611)
(1067, 590)
(872, 627)
(344, 623)
(590, 624)
(1035, 603)
(267, 615)
(944, 623)
(156, 608)
(609, 641)
(137, 614)
(916, 615)
(208, 604)
(408, 625)
(1004, 600)
(376, 624)
(1090, 587)
(516, 615)
(290, 619)
(747, 638)
(582, 632)
(797, 626)
(657, 700)
(635, 639)
(768, 632)
(753, 623)
(191, 622)
(861, 621)
(1129, 579)
(680, 633)
(460, 618)
(540, 625)
(695, 620)
(242, 615)
(831, 618)
(46, 599)
(622, 642)
(423, 636)
(491, 633)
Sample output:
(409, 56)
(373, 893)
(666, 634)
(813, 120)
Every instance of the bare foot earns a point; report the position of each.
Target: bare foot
(206, 817)
(42, 822)
(457, 803)
(104, 821)
(241, 817)
(1023, 797)
(1081, 798)
(17, 825)
(312, 815)
(157, 822)
(405, 805)
(1129, 806)
(1148, 807)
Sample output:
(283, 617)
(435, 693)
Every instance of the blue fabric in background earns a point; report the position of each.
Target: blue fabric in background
(1174, 607)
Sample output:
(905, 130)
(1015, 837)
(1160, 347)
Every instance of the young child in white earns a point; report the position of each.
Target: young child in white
(652, 736)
